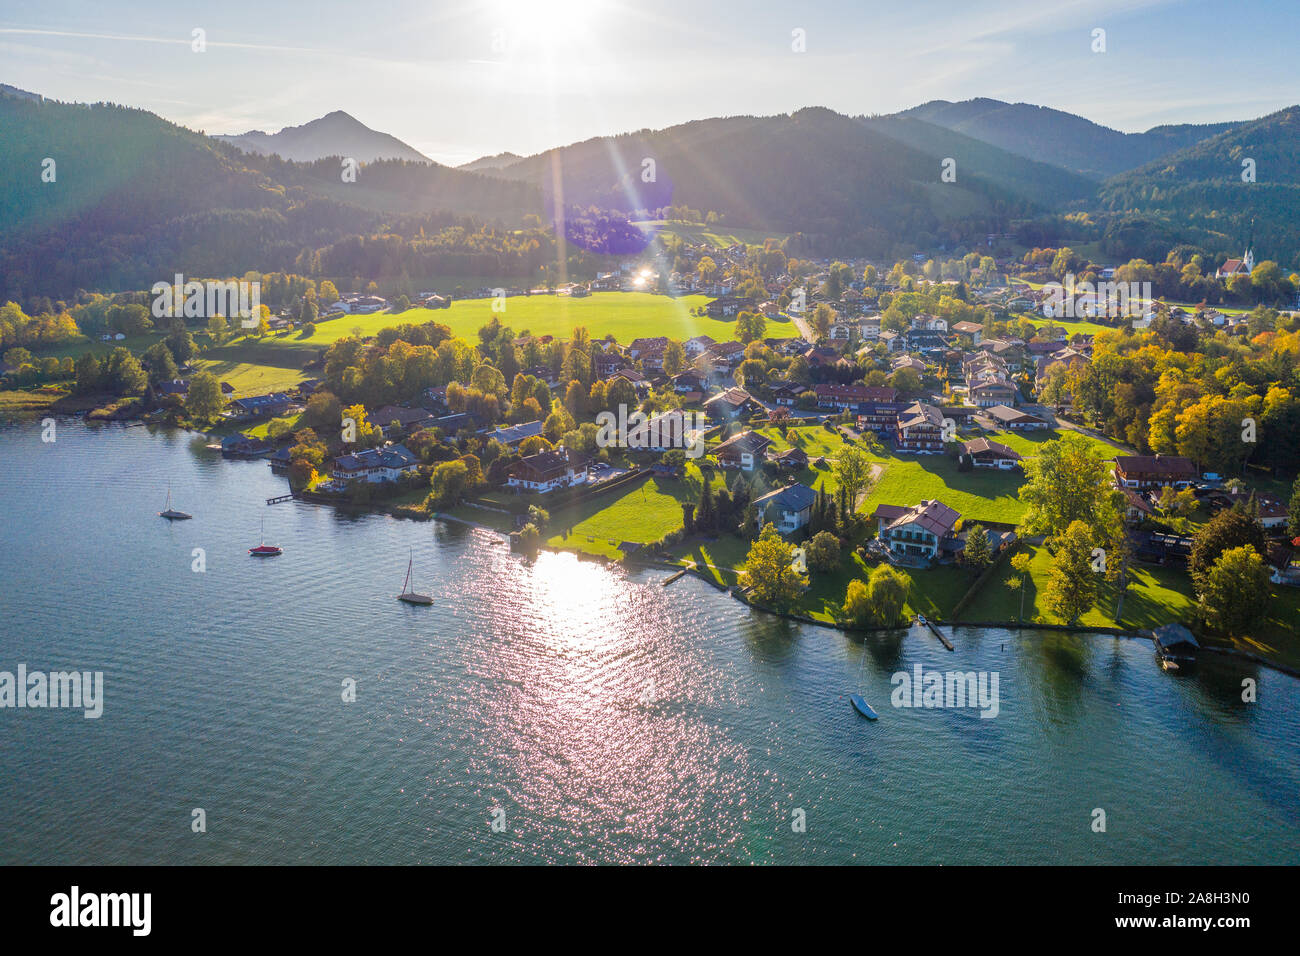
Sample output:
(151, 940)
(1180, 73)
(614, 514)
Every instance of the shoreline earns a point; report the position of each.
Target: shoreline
(409, 512)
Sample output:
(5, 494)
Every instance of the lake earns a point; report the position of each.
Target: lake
(552, 710)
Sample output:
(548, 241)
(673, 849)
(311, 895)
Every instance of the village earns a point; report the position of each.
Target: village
(893, 421)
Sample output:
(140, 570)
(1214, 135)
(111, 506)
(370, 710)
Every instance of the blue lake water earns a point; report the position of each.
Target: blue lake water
(595, 715)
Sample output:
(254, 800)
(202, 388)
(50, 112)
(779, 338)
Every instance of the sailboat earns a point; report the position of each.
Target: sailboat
(407, 595)
(265, 550)
(171, 514)
(857, 700)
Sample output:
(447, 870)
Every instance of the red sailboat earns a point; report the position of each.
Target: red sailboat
(265, 550)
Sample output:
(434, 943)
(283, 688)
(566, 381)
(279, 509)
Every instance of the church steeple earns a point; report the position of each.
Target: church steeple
(1248, 260)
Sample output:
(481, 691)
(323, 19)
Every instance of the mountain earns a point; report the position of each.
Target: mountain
(487, 163)
(334, 134)
(7, 90)
(852, 182)
(1047, 186)
(1200, 189)
(1060, 138)
(133, 198)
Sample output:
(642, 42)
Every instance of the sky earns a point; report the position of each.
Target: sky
(458, 79)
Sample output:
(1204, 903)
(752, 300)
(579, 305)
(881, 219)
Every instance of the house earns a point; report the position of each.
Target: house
(1154, 471)
(789, 508)
(1174, 640)
(1136, 506)
(787, 393)
(697, 346)
(844, 397)
(177, 386)
(1003, 416)
(726, 305)
(929, 323)
(375, 464)
(794, 458)
(972, 329)
(990, 454)
(924, 340)
(607, 363)
(640, 346)
(732, 403)
(992, 391)
(919, 429)
(733, 353)
(880, 418)
(260, 406)
(893, 341)
(547, 471)
(407, 419)
(672, 429)
(687, 382)
(640, 383)
(240, 445)
(512, 435)
(742, 451)
(917, 532)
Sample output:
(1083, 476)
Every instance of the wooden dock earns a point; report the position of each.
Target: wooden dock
(279, 498)
(674, 576)
(939, 634)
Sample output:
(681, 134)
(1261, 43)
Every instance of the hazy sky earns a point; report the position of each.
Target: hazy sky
(458, 79)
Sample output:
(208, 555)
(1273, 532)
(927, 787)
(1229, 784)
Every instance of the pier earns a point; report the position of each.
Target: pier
(279, 498)
(939, 634)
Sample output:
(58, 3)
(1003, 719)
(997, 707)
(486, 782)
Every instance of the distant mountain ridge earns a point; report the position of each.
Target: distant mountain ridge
(334, 134)
(1059, 138)
(488, 163)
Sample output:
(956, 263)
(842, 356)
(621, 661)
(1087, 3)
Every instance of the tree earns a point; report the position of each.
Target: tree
(1072, 584)
(852, 470)
(857, 609)
(447, 484)
(204, 400)
(1020, 564)
(674, 358)
(88, 373)
(750, 326)
(367, 435)
(822, 317)
(1236, 591)
(768, 569)
(823, 551)
(1230, 528)
(1293, 521)
(887, 592)
(1067, 482)
(977, 554)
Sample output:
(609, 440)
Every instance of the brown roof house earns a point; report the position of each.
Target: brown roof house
(916, 532)
(742, 451)
(1154, 471)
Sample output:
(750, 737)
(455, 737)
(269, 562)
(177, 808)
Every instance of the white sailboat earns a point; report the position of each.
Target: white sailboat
(407, 595)
(171, 514)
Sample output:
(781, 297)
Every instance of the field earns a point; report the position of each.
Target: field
(625, 315)
(720, 237)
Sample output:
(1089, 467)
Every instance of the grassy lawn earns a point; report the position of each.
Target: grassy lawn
(720, 237)
(19, 402)
(647, 511)
(256, 367)
(979, 495)
(815, 440)
(625, 315)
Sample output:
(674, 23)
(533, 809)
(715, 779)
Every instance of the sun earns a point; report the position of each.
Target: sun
(548, 23)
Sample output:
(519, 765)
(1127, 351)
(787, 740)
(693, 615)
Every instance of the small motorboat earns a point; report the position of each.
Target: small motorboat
(407, 595)
(862, 707)
(265, 550)
(920, 620)
(171, 514)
